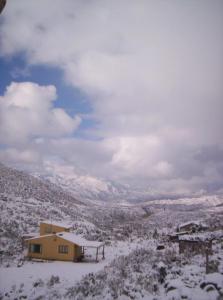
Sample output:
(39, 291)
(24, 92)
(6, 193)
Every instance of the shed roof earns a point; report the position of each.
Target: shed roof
(78, 240)
(208, 236)
(196, 223)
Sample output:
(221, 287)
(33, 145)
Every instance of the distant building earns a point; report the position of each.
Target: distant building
(194, 246)
(175, 237)
(192, 226)
(55, 242)
(198, 243)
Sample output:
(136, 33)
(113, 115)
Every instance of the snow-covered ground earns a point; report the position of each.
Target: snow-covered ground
(131, 270)
(25, 278)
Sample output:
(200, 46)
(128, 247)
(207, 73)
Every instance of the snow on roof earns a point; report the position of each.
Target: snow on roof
(29, 235)
(198, 223)
(207, 236)
(39, 236)
(181, 233)
(73, 238)
(76, 239)
(57, 223)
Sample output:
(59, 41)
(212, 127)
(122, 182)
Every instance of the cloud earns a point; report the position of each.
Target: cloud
(15, 156)
(152, 71)
(27, 112)
(131, 155)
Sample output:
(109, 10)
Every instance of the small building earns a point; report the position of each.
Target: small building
(198, 243)
(47, 227)
(192, 226)
(193, 246)
(60, 244)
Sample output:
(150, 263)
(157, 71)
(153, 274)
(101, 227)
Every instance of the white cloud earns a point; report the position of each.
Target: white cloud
(14, 156)
(163, 168)
(153, 74)
(134, 155)
(26, 112)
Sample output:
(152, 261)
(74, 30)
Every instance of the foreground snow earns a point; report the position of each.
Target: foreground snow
(131, 270)
(28, 277)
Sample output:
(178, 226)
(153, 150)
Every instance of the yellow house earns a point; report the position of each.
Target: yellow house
(60, 245)
(47, 227)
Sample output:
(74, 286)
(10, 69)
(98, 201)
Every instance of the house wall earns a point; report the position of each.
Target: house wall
(50, 251)
(194, 247)
(50, 228)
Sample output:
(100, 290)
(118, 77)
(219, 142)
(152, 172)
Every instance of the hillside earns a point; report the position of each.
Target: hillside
(24, 201)
(19, 184)
(84, 186)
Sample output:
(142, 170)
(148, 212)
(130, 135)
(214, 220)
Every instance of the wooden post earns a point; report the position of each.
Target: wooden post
(207, 260)
(103, 252)
(97, 255)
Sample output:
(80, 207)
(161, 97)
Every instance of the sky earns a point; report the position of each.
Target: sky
(128, 91)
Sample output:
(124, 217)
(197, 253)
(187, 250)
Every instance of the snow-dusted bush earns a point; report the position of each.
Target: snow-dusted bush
(133, 276)
(38, 282)
(53, 280)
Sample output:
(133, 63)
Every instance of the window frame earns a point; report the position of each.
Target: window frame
(32, 248)
(63, 249)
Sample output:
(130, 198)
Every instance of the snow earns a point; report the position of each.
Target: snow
(73, 238)
(30, 235)
(31, 271)
(215, 278)
(69, 272)
(205, 236)
(207, 201)
(78, 240)
(197, 223)
(40, 236)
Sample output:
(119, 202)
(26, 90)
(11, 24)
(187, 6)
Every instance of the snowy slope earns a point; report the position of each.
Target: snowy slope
(202, 201)
(20, 184)
(82, 185)
(87, 187)
(25, 200)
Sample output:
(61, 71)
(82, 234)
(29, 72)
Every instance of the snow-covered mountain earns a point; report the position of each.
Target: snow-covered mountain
(21, 184)
(87, 187)
(84, 186)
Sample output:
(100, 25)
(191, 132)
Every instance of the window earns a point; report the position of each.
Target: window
(63, 249)
(35, 248)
